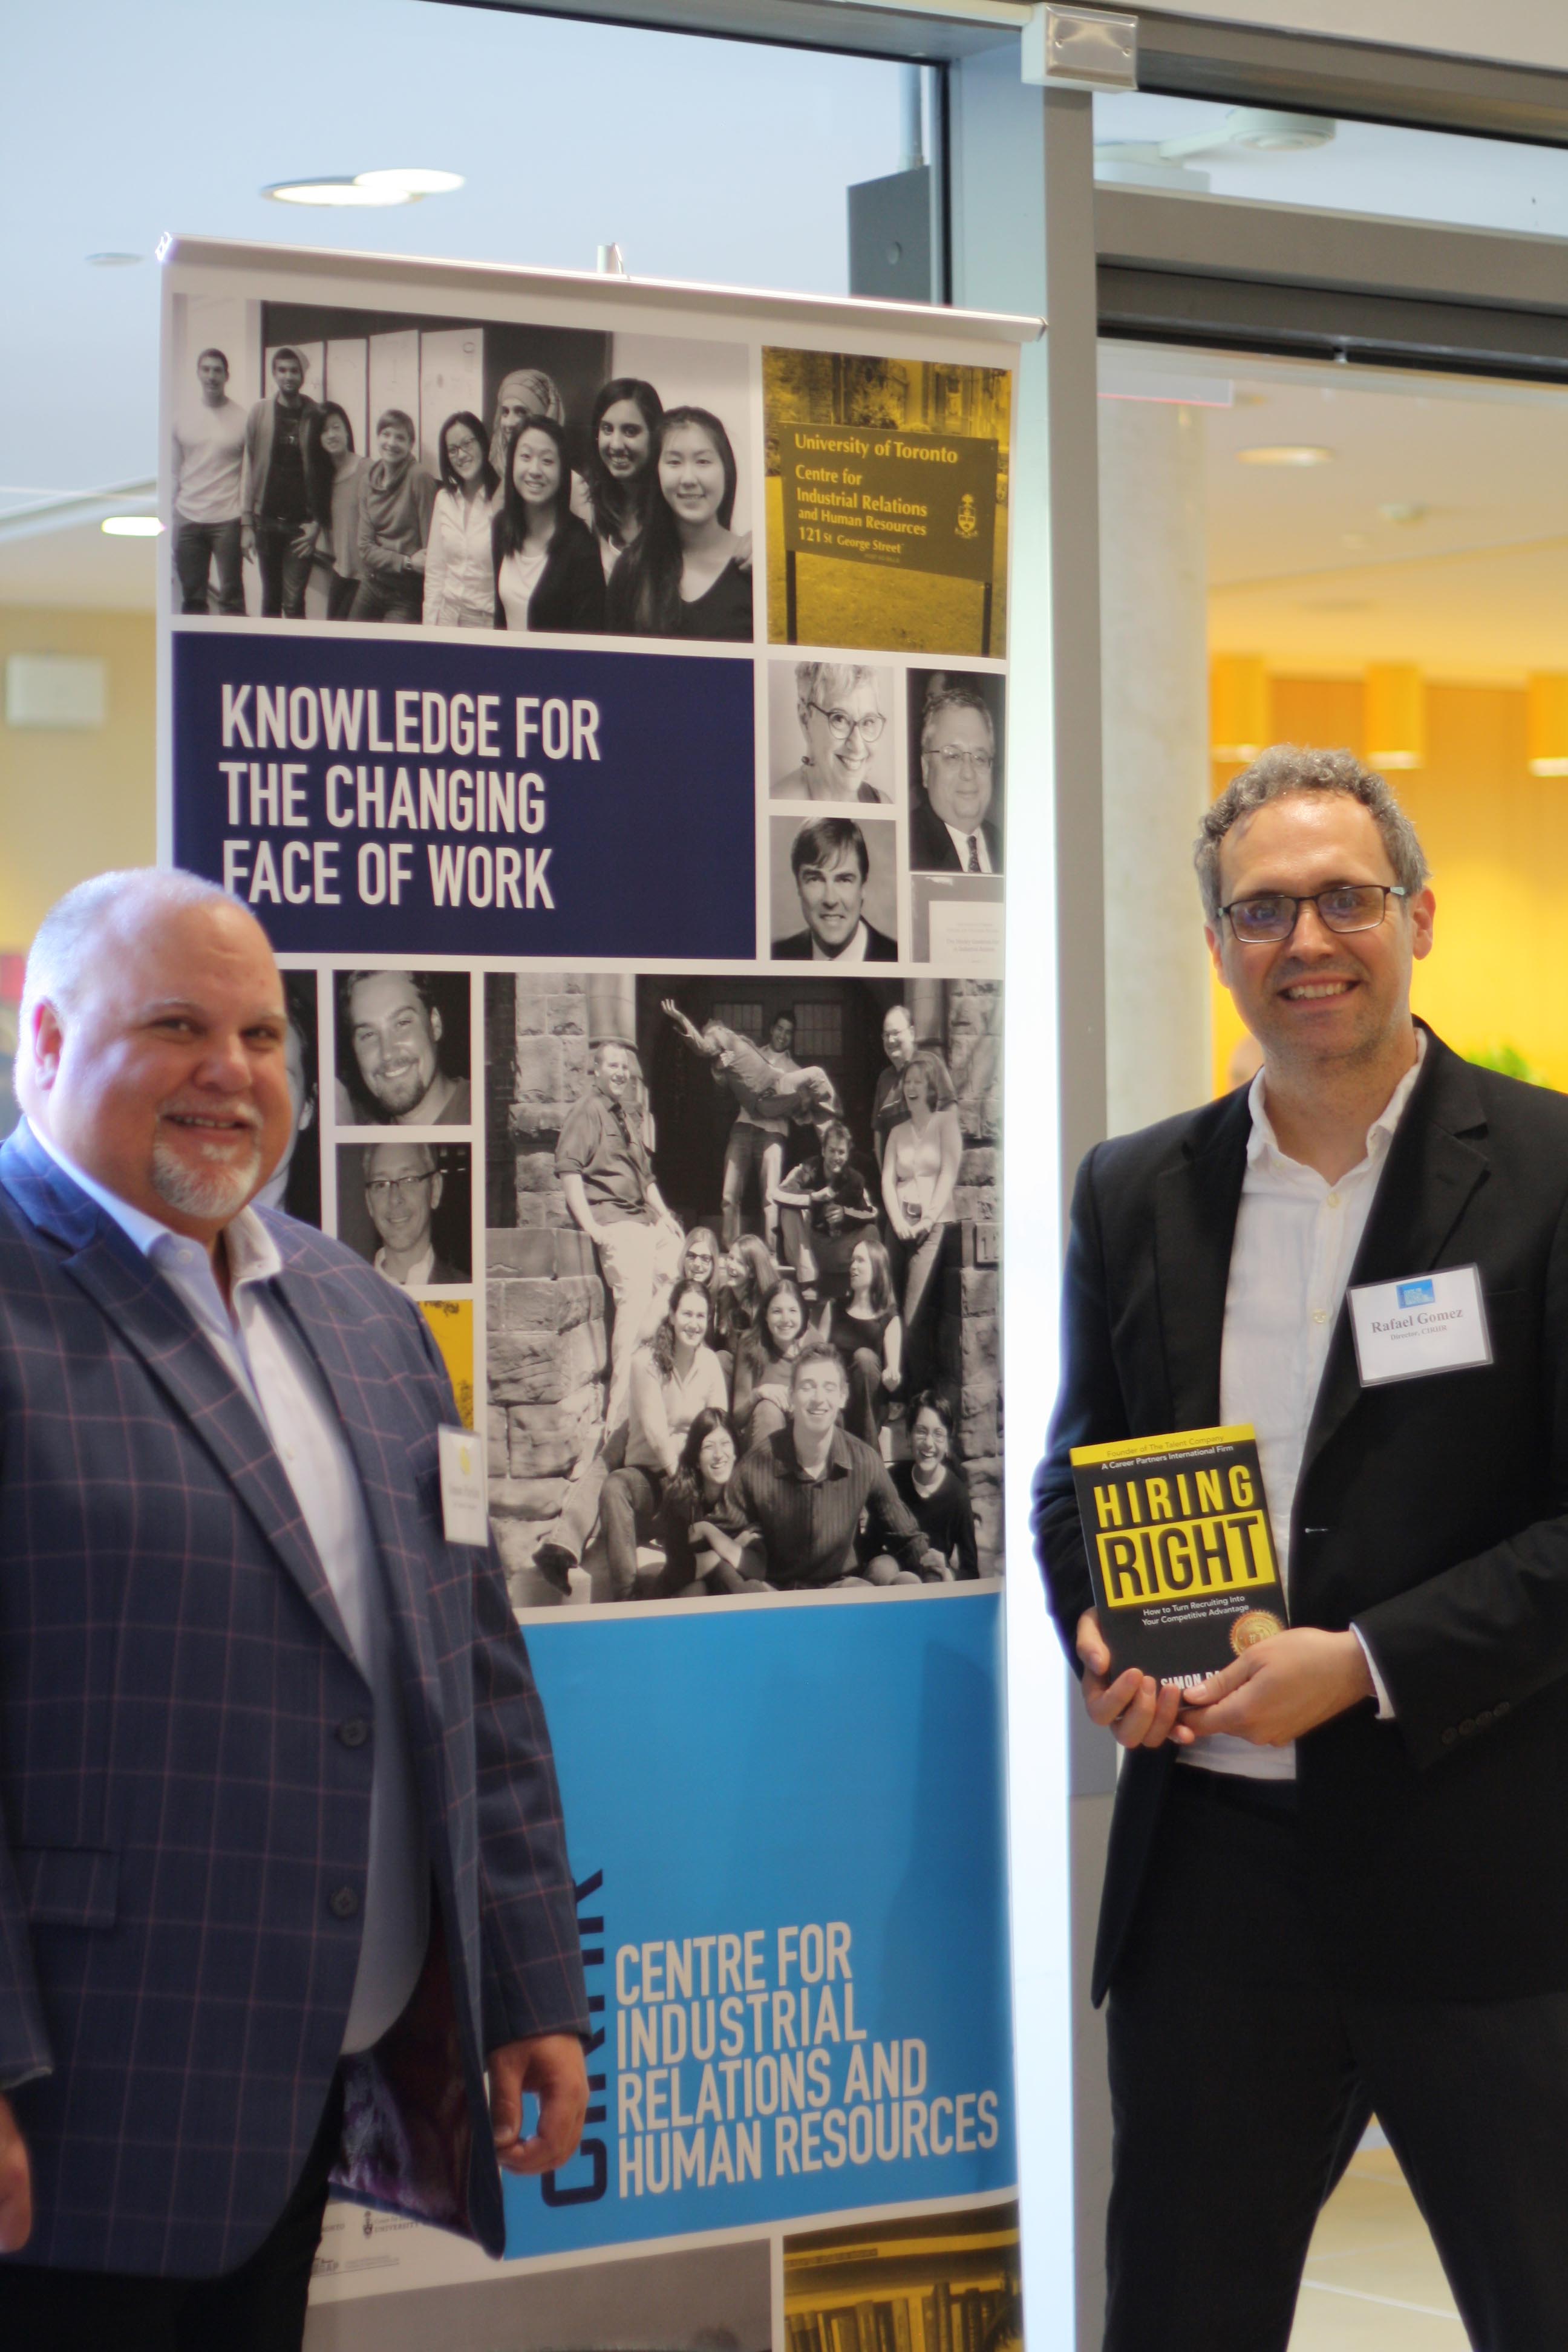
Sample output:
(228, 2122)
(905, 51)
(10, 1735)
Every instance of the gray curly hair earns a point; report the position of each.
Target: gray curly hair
(1288, 770)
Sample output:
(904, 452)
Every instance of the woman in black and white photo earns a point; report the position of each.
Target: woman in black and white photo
(702, 1531)
(523, 395)
(459, 563)
(334, 475)
(686, 575)
(547, 577)
(842, 724)
(621, 465)
(920, 1169)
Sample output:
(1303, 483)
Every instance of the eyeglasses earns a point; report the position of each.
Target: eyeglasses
(1343, 907)
(842, 724)
(460, 444)
(381, 1188)
(953, 757)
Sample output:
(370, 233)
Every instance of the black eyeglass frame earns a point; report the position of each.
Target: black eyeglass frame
(1296, 901)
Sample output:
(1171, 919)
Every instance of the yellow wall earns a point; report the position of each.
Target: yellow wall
(74, 803)
(1496, 838)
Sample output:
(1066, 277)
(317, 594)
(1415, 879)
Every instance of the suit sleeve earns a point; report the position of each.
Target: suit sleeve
(531, 1959)
(25, 2048)
(1090, 1410)
(1461, 1650)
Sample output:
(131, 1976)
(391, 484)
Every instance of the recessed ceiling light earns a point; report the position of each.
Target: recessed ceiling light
(131, 526)
(1286, 453)
(113, 261)
(1406, 511)
(405, 185)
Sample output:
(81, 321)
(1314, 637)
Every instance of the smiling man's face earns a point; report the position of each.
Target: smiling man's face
(167, 1080)
(1319, 997)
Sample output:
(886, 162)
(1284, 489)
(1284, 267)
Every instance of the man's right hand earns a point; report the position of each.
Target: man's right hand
(16, 2184)
(1140, 1711)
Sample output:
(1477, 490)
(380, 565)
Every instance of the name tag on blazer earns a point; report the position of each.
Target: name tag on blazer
(1428, 1323)
(465, 1498)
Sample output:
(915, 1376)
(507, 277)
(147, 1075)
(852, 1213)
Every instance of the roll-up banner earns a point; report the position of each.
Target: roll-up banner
(599, 690)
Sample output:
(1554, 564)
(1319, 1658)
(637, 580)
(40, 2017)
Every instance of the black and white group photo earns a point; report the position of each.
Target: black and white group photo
(739, 1229)
(333, 465)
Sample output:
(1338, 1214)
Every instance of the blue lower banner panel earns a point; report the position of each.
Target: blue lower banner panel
(787, 1830)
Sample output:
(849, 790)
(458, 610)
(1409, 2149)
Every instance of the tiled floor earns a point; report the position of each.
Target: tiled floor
(1374, 2282)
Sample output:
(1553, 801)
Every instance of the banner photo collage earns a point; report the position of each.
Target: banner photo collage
(601, 698)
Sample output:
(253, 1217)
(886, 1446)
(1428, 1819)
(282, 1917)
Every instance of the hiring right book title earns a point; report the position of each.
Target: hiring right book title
(1181, 1551)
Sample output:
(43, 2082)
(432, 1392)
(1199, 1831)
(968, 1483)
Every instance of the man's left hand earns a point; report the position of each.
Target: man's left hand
(1281, 1688)
(550, 2066)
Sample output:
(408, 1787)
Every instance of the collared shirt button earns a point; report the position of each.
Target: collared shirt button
(345, 1902)
(1483, 1721)
(1332, 1200)
(354, 1732)
(1320, 1314)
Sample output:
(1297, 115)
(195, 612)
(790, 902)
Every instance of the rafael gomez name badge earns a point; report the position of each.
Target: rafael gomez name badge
(465, 1503)
(1428, 1323)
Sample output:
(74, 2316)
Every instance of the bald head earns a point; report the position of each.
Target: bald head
(155, 1045)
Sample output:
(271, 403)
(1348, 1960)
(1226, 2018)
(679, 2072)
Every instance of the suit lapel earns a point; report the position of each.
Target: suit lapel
(151, 1317)
(1195, 1205)
(1438, 1160)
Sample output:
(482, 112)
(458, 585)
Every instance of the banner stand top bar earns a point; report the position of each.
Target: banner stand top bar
(450, 278)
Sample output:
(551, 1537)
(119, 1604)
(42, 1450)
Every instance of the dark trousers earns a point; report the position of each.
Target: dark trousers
(284, 572)
(198, 547)
(390, 600)
(259, 2307)
(628, 1508)
(341, 594)
(1241, 2082)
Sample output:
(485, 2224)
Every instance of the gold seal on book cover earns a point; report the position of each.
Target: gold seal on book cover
(1254, 1625)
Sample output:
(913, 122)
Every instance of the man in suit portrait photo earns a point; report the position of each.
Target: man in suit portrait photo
(954, 788)
(283, 1874)
(1335, 1884)
(832, 864)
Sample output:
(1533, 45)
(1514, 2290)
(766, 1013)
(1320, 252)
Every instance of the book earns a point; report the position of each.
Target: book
(1181, 1550)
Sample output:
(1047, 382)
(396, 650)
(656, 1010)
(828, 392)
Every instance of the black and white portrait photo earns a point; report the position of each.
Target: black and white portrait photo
(830, 731)
(295, 1185)
(331, 464)
(735, 1222)
(835, 891)
(956, 736)
(403, 1045)
(407, 1207)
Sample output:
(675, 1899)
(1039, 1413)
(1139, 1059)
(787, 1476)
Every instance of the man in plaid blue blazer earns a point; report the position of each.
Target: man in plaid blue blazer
(282, 1867)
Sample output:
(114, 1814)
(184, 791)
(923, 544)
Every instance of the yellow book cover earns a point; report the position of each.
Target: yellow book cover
(1181, 1550)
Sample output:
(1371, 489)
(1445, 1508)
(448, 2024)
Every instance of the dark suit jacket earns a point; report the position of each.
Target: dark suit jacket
(569, 595)
(930, 844)
(1430, 1510)
(796, 948)
(185, 1812)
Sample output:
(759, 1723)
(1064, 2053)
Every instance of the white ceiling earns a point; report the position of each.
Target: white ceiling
(703, 159)
(1305, 567)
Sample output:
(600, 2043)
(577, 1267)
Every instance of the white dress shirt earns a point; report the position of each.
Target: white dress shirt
(1296, 1240)
(262, 1352)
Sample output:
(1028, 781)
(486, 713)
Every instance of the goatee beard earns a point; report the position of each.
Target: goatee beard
(205, 1193)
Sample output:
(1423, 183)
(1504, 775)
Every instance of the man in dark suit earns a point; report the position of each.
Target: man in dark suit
(951, 826)
(282, 1870)
(831, 864)
(1336, 1881)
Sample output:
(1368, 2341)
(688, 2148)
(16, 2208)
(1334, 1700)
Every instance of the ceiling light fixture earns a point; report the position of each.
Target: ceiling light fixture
(112, 260)
(1396, 727)
(131, 526)
(407, 184)
(1286, 453)
(1547, 723)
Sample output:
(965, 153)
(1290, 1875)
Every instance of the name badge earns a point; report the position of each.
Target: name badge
(465, 1496)
(1429, 1323)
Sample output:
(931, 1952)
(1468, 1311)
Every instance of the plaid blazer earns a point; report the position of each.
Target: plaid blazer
(185, 1806)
